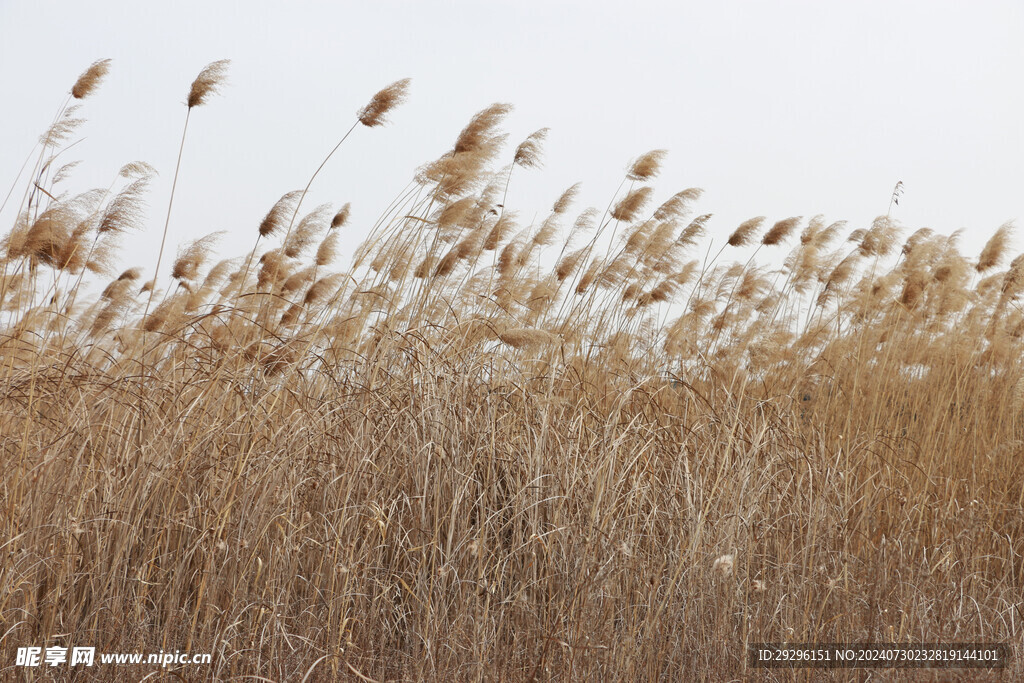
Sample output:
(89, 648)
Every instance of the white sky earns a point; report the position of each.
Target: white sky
(774, 108)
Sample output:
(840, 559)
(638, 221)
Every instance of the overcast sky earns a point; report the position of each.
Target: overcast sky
(773, 108)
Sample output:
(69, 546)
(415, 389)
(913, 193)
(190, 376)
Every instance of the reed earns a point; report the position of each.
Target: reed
(582, 447)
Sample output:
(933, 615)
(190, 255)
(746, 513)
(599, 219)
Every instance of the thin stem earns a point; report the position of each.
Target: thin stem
(295, 213)
(167, 222)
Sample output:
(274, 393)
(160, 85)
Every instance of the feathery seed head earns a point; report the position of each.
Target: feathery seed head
(881, 238)
(505, 225)
(693, 232)
(646, 165)
(678, 204)
(137, 169)
(780, 231)
(305, 233)
(481, 127)
(996, 247)
(567, 266)
(191, 258)
(208, 82)
(278, 216)
(724, 564)
(328, 248)
(630, 206)
(376, 110)
(744, 234)
(815, 226)
(528, 152)
(125, 210)
(447, 263)
(61, 130)
(90, 79)
(523, 337)
(547, 233)
(323, 288)
(919, 238)
(341, 217)
(1013, 283)
(64, 171)
(567, 198)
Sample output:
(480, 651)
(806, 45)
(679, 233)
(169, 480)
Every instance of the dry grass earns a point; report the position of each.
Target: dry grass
(497, 451)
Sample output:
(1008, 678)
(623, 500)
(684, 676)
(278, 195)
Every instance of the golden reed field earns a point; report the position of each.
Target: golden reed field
(607, 445)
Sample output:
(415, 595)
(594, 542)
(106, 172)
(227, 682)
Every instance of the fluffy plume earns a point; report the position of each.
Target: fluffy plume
(567, 266)
(744, 234)
(996, 247)
(274, 267)
(61, 129)
(323, 288)
(724, 565)
(630, 206)
(501, 230)
(447, 263)
(125, 211)
(376, 111)
(298, 280)
(881, 239)
(585, 222)
(916, 240)
(528, 152)
(137, 169)
(455, 213)
(647, 165)
(678, 204)
(815, 226)
(780, 231)
(563, 202)
(638, 238)
(307, 230)
(588, 277)
(208, 82)
(64, 171)
(122, 285)
(48, 235)
(481, 128)
(75, 252)
(524, 337)
(838, 277)
(547, 233)
(692, 233)
(90, 79)
(823, 238)
(278, 216)
(190, 259)
(328, 248)
(1013, 283)
(341, 217)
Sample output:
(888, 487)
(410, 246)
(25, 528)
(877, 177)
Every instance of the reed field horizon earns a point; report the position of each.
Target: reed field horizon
(602, 444)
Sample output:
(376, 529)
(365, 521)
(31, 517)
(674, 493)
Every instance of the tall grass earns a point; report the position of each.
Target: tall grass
(577, 449)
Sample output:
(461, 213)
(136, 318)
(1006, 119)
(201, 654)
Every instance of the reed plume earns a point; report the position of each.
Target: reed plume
(646, 165)
(995, 248)
(744, 234)
(376, 110)
(529, 150)
(90, 79)
(780, 231)
(630, 206)
(207, 83)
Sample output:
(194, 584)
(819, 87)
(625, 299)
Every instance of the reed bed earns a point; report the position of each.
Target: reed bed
(612, 444)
